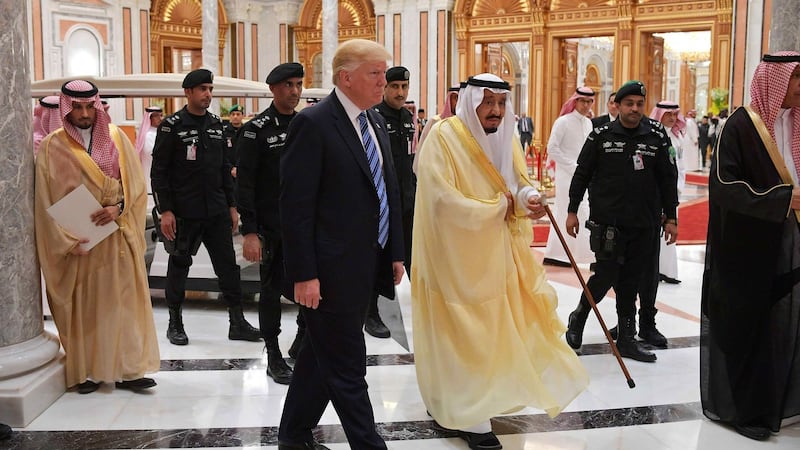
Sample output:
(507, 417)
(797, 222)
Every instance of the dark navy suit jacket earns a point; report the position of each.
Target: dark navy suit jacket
(330, 209)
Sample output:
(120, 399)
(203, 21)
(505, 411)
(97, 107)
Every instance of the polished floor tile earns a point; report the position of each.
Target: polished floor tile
(214, 393)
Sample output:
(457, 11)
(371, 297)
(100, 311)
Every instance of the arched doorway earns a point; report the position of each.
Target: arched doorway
(546, 24)
(356, 20)
(176, 39)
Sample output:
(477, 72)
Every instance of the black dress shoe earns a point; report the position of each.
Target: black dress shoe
(481, 441)
(555, 262)
(5, 431)
(757, 432)
(667, 279)
(137, 384)
(313, 445)
(375, 327)
(87, 387)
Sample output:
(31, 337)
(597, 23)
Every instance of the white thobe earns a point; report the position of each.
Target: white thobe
(567, 136)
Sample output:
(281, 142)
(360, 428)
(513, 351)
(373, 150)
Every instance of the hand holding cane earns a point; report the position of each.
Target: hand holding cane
(589, 297)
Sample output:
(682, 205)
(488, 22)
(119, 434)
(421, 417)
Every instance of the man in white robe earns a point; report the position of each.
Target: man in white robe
(566, 141)
(486, 334)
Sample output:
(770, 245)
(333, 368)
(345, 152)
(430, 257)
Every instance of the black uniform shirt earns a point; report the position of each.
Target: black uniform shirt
(259, 147)
(630, 173)
(230, 133)
(400, 125)
(190, 175)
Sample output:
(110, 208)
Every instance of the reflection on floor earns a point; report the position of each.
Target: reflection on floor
(214, 393)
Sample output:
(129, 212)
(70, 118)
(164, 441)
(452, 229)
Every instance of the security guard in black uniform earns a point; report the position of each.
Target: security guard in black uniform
(229, 132)
(259, 147)
(628, 165)
(193, 190)
(401, 128)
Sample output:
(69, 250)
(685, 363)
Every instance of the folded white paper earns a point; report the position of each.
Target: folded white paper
(73, 212)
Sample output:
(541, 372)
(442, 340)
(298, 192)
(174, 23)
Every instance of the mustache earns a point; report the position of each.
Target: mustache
(494, 117)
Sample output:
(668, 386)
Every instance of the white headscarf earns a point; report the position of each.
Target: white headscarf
(498, 145)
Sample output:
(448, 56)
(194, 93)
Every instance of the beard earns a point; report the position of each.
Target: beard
(490, 130)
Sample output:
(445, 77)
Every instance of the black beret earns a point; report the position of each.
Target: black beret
(397, 73)
(285, 71)
(197, 77)
(633, 87)
(236, 107)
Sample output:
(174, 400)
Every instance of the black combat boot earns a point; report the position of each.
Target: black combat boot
(577, 320)
(298, 341)
(277, 368)
(628, 346)
(175, 332)
(240, 329)
(648, 331)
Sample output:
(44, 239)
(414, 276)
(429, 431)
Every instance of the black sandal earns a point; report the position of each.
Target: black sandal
(481, 441)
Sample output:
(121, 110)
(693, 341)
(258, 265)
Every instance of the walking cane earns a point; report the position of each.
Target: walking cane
(589, 297)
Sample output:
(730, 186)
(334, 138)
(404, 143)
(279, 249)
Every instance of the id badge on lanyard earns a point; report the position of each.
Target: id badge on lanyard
(638, 161)
(191, 151)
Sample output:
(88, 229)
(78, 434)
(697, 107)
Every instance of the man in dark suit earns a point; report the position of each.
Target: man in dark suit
(613, 111)
(342, 234)
(525, 128)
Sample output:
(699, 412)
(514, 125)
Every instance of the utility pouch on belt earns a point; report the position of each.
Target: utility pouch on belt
(603, 239)
(181, 245)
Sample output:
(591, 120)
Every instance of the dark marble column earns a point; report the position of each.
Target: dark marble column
(784, 34)
(31, 372)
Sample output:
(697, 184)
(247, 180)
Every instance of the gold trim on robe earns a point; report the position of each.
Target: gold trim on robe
(487, 339)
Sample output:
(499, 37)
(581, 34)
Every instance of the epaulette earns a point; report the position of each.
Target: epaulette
(603, 128)
(173, 118)
(214, 116)
(260, 121)
(657, 128)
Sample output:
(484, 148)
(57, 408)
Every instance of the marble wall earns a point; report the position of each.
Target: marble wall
(20, 305)
(784, 34)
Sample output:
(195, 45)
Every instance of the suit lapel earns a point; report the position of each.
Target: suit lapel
(349, 135)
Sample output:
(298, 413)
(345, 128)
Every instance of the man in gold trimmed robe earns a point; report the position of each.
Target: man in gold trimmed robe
(99, 297)
(750, 322)
(487, 339)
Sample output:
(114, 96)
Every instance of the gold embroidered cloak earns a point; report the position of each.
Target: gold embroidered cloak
(487, 339)
(101, 301)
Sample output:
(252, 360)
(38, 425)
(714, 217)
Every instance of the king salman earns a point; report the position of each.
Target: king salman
(487, 340)
(99, 296)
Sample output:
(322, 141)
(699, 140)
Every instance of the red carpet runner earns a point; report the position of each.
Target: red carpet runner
(692, 219)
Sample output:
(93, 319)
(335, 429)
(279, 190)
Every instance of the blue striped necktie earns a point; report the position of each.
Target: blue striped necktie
(377, 178)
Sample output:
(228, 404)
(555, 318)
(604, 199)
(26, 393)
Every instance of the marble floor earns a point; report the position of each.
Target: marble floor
(214, 393)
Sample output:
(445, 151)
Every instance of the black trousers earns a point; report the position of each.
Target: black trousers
(525, 140)
(215, 233)
(272, 277)
(648, 290)
(623, 272)
(331, 366)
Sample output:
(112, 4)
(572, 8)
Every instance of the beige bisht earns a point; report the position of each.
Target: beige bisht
(101, 301)
(487, 339)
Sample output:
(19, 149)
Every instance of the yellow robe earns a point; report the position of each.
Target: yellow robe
(101, 301)
(487, 339)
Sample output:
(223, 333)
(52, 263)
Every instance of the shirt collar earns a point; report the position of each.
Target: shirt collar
(349, 107)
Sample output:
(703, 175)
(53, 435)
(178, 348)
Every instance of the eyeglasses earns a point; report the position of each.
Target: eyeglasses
(586, 100)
